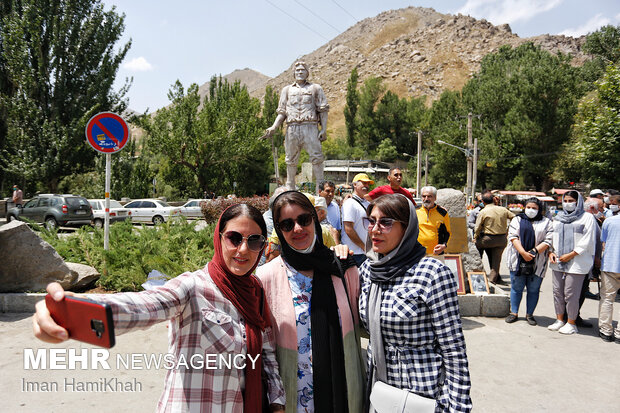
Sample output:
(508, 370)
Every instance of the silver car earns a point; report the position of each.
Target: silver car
(193, 208)
(151, 210)
(117, 212)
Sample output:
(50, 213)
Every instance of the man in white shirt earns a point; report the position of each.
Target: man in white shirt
(327, 190)
(353, 212)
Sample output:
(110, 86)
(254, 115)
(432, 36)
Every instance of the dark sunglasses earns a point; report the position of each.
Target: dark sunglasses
(385, 224)
(288, 224)
(233, 239)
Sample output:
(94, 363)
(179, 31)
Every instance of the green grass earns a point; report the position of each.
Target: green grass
(171, 248)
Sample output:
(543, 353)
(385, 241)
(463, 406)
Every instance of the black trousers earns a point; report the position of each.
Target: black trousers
(494, 246)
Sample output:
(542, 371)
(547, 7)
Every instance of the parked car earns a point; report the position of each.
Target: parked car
(117, 212)
(54, 210)
(151, 210)
(193, 208)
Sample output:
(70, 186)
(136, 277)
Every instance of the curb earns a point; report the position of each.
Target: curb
(492, 305)
(19, 302)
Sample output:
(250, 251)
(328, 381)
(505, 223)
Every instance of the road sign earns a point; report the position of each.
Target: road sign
(107, 132)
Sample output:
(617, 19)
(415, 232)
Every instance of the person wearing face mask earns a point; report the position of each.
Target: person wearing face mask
(529, 237)
(614, 205)
(18, 197)
(215, 310)
(574, 244)
(473, 214)
(313, 300)
(592, 206)
(610, 278)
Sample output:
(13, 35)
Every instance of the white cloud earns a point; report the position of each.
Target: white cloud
(590, 26)
(138, 64)
(507, 11)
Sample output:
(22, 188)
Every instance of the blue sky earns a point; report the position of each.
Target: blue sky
(191, 40)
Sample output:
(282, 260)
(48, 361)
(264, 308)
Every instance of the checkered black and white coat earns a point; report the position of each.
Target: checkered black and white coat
(422, 334)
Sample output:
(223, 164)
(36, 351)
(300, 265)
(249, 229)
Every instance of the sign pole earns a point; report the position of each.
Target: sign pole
(108, 175)
(107, 133)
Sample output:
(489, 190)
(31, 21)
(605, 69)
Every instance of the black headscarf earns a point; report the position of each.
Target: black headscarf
(527, 236)
(329, 377)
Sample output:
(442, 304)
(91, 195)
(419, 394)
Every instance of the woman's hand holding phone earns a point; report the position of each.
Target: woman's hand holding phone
(43, 325)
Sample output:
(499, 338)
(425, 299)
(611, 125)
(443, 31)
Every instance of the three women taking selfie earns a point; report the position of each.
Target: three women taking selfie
(302, 316)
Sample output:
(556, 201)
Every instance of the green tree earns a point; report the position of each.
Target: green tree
(449, 164)
(594, 152)
(527, 98)
(386, 151)
(57, 67)
(604, 47)
(366, 119)
(216, 146)
(350, 109)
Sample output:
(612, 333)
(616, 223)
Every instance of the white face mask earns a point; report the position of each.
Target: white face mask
(569, 206)
(614, 208)
(606, 200)
(531, 212)
(599, 215)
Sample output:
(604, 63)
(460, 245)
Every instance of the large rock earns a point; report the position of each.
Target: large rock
(27, 263)
(453, 201)
(472, 261)
(86, 276)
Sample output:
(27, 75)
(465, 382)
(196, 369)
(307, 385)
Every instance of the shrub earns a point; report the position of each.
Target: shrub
(213, 209)
(171, 248)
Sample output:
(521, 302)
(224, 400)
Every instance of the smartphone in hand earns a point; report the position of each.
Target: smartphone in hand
(85, 320)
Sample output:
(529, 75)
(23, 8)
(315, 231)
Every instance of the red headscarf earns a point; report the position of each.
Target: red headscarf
(246, 294)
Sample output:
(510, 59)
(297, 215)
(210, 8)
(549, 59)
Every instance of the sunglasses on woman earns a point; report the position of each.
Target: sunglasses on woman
(234, 239)
(385, 224)
(288, 224)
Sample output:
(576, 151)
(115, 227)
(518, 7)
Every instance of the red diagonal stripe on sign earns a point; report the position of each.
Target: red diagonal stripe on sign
(107, 132)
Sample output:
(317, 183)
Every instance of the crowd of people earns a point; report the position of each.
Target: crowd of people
(300, 284)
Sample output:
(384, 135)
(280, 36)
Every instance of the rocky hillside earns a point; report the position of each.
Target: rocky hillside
(417, 51)
(253, 80)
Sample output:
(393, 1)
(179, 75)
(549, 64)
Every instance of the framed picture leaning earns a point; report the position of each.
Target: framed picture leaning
(478, 283)
(455, 263)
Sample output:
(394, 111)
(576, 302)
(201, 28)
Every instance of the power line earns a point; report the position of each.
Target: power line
(318, 16)
(345, 10)
(298, 21)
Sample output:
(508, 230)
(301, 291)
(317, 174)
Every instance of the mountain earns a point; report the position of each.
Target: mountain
(253, 80)
(417, 51)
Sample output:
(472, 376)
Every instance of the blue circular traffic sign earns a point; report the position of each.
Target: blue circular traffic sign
(107, 132)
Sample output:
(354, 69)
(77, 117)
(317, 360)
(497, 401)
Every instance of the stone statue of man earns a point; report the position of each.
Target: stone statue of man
(303, 105)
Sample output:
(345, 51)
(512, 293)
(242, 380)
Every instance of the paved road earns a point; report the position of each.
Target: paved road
(514, 368)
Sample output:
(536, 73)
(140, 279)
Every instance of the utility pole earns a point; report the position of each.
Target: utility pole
(471, 186)
(469, 157)
(419, 165)
(348, 167)
(426, 168)
(475, 170)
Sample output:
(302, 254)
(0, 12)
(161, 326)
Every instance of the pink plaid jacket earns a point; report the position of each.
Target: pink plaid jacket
(202, 322)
